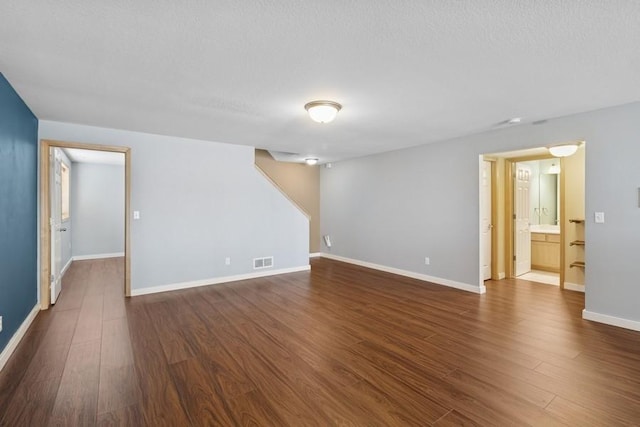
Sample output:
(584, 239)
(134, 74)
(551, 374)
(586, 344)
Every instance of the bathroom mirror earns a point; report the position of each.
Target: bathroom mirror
(544, 191)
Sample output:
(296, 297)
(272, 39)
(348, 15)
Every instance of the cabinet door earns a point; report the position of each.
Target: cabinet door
(545, 255)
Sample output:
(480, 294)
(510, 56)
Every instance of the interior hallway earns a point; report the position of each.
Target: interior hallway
(340, 345)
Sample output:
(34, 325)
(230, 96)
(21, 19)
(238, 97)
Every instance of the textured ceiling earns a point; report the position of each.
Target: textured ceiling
(406, 72)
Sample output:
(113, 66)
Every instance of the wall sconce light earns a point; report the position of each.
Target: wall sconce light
(322, 111)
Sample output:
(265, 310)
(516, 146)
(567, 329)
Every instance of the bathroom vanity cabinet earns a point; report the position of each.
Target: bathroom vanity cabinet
(545, 252)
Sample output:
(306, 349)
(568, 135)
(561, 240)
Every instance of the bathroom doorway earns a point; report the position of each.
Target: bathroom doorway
(533, 204)
(538, 199)
(537, 220)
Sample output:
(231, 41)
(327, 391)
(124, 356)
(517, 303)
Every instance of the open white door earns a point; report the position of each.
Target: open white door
(55, 222)
(521, 209)
(485, 223)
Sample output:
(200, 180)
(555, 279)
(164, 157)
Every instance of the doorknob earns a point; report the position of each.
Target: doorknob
(63, 229)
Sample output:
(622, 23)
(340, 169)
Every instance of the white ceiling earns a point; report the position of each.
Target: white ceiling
(94, 156)
(407, 72)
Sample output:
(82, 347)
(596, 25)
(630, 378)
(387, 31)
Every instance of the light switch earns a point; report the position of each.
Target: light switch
(136, 214)
(599, 217)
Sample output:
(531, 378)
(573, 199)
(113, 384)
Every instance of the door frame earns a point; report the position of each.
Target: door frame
(509, 211)
(45, 210)
(55, 199)
(493, 177)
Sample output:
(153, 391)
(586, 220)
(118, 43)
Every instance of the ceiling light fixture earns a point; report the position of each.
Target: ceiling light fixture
(322, 111)
(563, 150)
(311, 161)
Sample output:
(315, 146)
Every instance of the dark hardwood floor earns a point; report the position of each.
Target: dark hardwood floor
(342, 345)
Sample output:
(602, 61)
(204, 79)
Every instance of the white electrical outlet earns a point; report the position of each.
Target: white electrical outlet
(227, 261)
(599, 217)
(427, 261)
(136, 214)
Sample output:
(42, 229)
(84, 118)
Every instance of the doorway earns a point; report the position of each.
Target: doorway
(59, 200)
(535, 234)
(486, 220)
(51, 230)
(537, 209)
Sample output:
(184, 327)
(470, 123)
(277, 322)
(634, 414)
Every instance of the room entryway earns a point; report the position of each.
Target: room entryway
(538, 204)
(84, 211)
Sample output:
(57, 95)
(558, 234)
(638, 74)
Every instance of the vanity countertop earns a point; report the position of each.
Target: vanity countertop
(546, 229)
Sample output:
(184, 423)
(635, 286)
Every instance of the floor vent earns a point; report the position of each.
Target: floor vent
(264, 262)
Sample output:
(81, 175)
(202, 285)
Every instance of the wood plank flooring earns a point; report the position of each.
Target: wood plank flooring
(341, 345)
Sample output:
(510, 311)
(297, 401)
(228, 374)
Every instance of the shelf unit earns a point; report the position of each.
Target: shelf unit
(577, 263)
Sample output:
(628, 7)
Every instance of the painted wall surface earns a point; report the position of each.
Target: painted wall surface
(18, 211)
(97, 209)
(67, 224)
(199, 202)
(573, 170)
(301, 183)
(398, 207)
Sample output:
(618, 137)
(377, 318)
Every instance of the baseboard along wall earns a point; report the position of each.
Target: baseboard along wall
(215, 281)
(17, 337)
(97, 256)
(431, 279)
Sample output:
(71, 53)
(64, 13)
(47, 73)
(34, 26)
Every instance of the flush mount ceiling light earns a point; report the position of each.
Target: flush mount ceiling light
(311, 161)
(322, 111)
(563, 150)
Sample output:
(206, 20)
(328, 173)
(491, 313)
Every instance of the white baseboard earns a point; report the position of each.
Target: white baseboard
(634, 325)
(573, 287)
(66, 267)
(215, 281)
(315, 254)
(98, 256)
(17, 337)
(437, 280)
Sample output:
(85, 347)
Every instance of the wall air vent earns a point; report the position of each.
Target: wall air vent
(264, 262)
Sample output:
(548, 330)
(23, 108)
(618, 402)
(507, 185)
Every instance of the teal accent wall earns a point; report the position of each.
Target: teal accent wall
(18, 210)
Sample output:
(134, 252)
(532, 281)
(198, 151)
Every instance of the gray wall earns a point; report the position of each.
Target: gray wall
(199, 202)
(396, 208)
(97, 209)
(66, 235)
